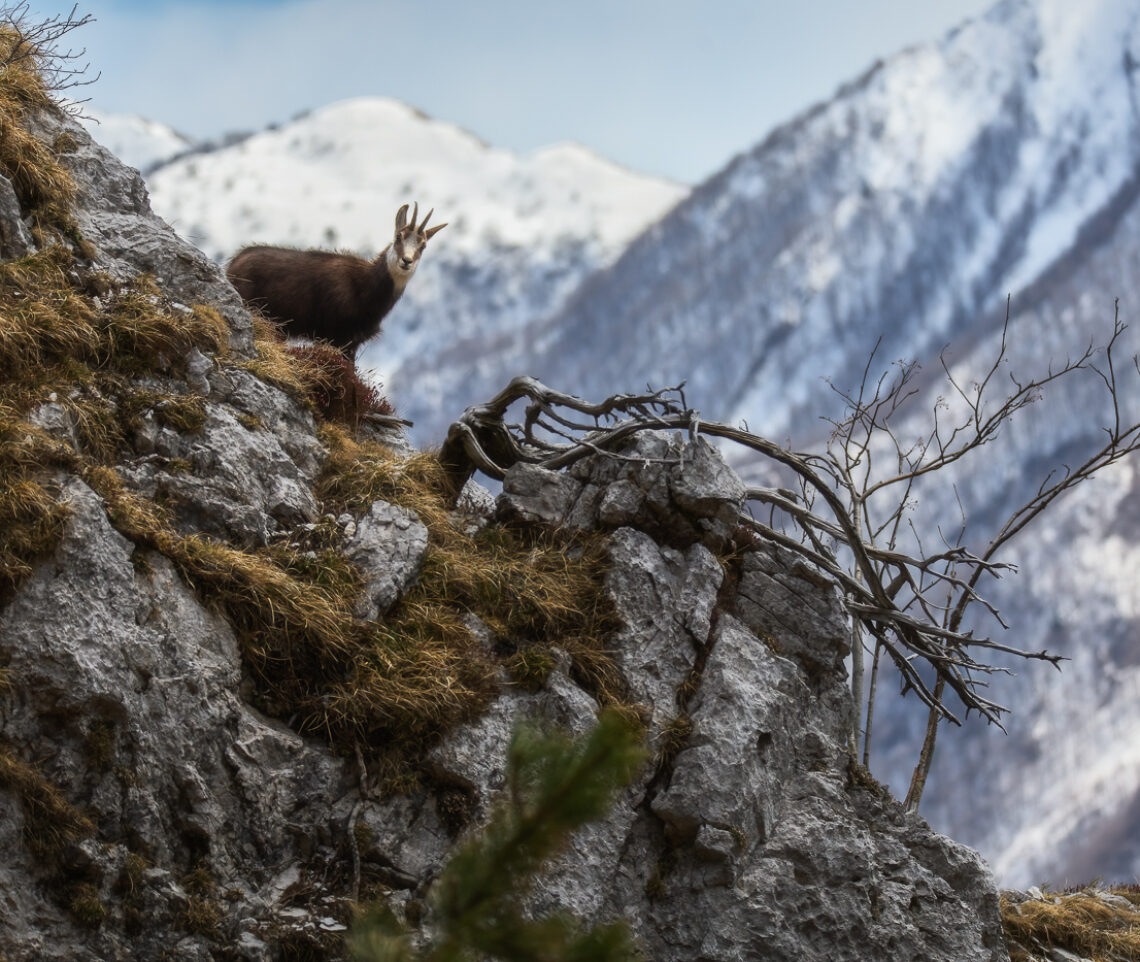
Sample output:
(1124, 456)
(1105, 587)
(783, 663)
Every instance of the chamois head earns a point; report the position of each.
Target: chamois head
(409, 242)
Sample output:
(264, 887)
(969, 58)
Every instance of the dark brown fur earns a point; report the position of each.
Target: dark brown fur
(331, 297)
(317, 294)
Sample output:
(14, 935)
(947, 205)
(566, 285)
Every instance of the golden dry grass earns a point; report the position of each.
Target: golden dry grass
(1079, 922)
(31, 515)
(46, 318)
(296, 376)
(50, 821)
(318, 375)
(52, 330)
(531, 586)
(43, 186)
(59, 345)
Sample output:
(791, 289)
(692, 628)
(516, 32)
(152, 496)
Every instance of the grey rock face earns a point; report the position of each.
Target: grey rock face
(95, 644)
(761, 814)
(289, 423)
(665, 601)
(15, 241)
(388, 546)
(531, 493)
(679, 491)
(114, 214)
(781, 595)
(753, 842)
(241, 485)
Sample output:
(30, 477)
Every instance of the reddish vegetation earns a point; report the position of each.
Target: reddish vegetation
(336, 389)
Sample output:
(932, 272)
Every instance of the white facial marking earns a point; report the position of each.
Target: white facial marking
(397, 259)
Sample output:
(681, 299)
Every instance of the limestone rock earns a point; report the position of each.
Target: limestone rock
(274, 412)
(388, 546)
(15, 241)
(665, 600)
(531, 493)
(474, 754)
(114, 214)
(241, 483)
(730, 774)
(780, 595)
(105, 646)
(679, 491)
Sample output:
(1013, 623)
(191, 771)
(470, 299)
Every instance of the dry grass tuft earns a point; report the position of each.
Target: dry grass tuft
(31, 516)
(42, 185)
(318, 375)
(47, 317)
(358, 473)
(336, 388)
(532, 587)
(275, 365)
(87, 906)
(52, 329)
(51, 822)
(59, 346)
(1098, 925)
(142, 326)
(530, 667)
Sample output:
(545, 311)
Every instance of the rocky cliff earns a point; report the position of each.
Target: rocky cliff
(253, 667)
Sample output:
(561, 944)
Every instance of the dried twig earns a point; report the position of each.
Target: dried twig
(39, 41)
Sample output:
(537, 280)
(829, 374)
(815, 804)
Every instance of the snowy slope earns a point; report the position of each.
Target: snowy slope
(141, 143)
(906, 206)
(522, 230)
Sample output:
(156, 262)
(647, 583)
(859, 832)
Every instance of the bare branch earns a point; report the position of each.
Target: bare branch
(36, 43)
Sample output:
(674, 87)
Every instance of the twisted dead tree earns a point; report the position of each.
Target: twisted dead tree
(852, 510)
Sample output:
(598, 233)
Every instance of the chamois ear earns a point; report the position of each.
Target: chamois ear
(435, 230)
(402, 217)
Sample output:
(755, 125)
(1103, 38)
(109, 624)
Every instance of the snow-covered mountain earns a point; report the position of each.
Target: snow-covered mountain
(522, 230)
(144, 144)
(907, 206)
(1002, 159)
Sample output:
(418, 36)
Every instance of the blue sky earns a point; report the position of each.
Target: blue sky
(670, 87)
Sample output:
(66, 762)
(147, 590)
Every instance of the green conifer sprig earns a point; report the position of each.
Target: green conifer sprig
(555, 784)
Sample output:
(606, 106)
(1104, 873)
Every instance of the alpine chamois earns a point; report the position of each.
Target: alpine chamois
(332, 297)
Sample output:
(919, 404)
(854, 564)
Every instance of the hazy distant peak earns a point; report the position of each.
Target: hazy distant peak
(335, 177)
